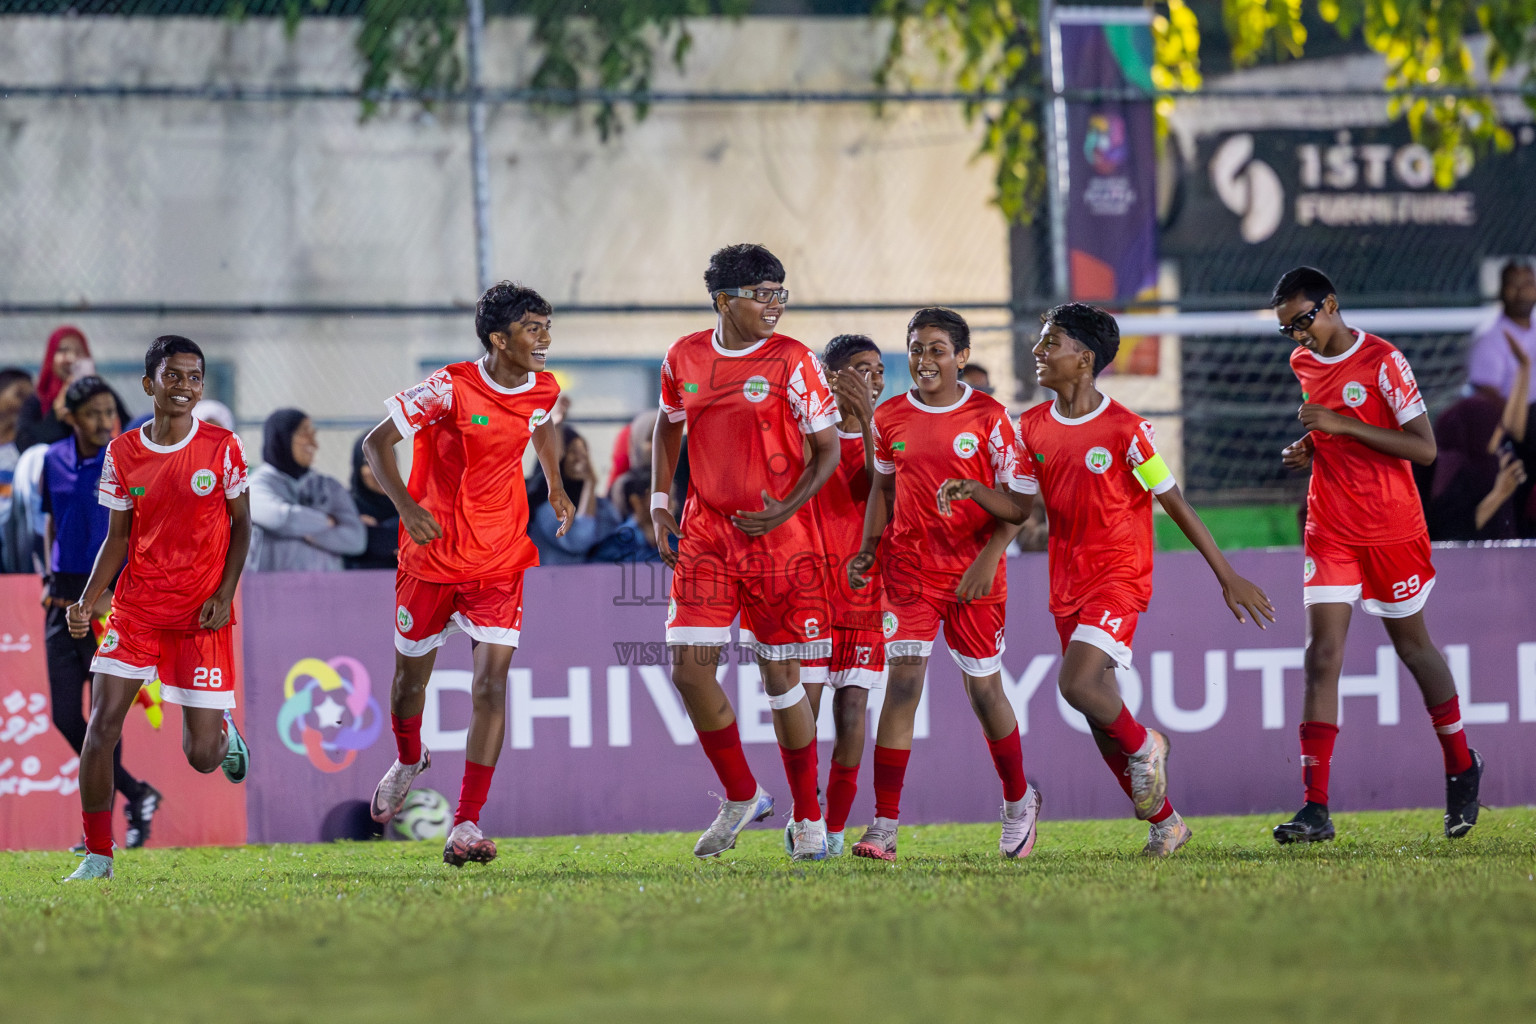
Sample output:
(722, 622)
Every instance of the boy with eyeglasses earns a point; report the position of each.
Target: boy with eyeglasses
(762, 440)
(1365, 538)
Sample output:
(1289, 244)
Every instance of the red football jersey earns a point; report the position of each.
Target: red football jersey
(923, 446)
(840, 509)
(1359, 495)
(748, 412)
(469, 434)
(180, 535)
(1097, 475)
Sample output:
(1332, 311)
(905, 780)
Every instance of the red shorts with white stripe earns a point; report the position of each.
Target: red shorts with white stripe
(427, 613)
(1107, 625)
(196, 667)
(973, 630)
(1390, 580)
(784, 616)
(858, 659)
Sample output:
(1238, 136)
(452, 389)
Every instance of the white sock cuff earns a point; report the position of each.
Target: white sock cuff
(794, 695)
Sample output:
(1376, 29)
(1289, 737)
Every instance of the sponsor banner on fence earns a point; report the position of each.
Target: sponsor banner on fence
(597, 739)
(40, 774)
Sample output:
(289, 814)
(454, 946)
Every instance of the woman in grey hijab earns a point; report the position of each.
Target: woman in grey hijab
(301, 520)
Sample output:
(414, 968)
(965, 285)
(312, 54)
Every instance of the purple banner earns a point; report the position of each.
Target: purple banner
(597, 740)
(1112, 158)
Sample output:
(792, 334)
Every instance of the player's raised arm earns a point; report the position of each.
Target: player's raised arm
(877, 514)
(379, 450)
(1414, 442)
(825, 454)
(666, 445)
(109, 562)
(547, 445)
(1239, 592)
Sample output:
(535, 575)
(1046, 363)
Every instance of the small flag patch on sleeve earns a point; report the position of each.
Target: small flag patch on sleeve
(136, 491)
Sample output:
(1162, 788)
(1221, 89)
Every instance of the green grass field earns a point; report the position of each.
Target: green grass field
(1389, 923)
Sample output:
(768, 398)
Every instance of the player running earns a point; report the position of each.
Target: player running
(1095, 464)
(857, 664)
(181, 520)
(465, 512)
(761, 441)
(938, 570)
(1365, 538)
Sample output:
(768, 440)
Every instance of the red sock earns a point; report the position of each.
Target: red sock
(1118, 763)
(1130, 734)
(472, 794)
(407, 738)
(98, 832)
(723, 747)
(890, 773)
(1317, 758)
(1008, 757)
(842, 787)
(1453, 740)
(800, 767)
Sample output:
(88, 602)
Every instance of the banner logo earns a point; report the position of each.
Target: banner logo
(1104, 142)
(1249, 188)
(327, 716)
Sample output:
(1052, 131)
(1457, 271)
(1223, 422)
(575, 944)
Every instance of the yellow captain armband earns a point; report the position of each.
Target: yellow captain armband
(1153, 473)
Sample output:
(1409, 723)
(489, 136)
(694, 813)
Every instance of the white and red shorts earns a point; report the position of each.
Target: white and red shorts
(196, 667)
(1105, 624)
(1390, 580)
(973, 630)
(427, 614)
(858, 659)
(784, 616)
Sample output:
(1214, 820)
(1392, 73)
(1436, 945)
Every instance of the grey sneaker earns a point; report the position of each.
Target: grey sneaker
(878, 841)
(734, 816)
(389, 795)
(95, 865)
(1149, 776)
(237, 761)
(810, 840)
(1166, 836)
(1018, 837)
(465, 843)
(834, 844)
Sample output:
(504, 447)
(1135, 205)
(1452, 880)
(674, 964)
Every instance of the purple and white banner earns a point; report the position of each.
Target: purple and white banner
(597, 739)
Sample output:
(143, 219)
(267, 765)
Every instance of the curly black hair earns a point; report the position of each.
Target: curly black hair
(841, 349)
(504, 304)
(167, 345)
(741, 266)
(1090, 327)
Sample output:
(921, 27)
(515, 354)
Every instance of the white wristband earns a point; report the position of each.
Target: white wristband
(660, 499)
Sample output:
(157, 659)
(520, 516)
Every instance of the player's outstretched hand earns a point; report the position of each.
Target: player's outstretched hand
(418, 522)
(1240, 594)
(771, 516)
(79, 618)
(666, 528)
(1320, 417)
(951, 491)
(858, 569)
(976, 582)
(564, 510)
(1298, 455)
(215, 613)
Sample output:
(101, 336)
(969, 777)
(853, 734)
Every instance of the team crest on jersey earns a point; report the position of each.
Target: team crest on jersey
(888, 623)
(1354, 394)
(756, 388)
(671, 611)
(1098, 459)
(966, 444)
(203, 482)
(109, 642)
(1308, 570)
(403, 619)
(538, 416)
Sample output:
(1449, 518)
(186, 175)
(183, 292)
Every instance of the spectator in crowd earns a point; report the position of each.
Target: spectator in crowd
(42, 416)
(1491, 366)
(211, 410)
(1477, 469)
(635, 438)
(635, 539)
(977, 377)
(301, 519)
(74, 525)
(15, 389)
(378, 513)
(596, 518)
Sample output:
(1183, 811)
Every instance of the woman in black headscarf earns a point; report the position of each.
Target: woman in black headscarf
(301, 520)
(378, 514)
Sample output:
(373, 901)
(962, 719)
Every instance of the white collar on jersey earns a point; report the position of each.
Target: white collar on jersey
(1330, 360)
(714, 339)
(167, 449)
(533, 376)
(1079, 421)
(965, 393)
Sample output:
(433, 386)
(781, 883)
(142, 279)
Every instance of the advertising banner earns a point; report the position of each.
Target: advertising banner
(597, 739)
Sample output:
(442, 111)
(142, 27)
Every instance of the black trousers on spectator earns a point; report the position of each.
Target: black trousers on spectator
(69, 668)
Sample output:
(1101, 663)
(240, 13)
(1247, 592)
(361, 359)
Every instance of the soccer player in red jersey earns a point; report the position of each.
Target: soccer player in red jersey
(1365, 537)
(939, 570)
(857, 663)
(761, 441)
(181, 520)
(465, 515)
(1096, 465)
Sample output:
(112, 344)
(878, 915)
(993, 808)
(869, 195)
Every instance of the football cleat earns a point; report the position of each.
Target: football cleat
(1149, 776)
(834, 844)
(734, 816)
(1461, 804)
(95, 865)
(1166, 836)
(810, 840)
(389, 795)
(1311, 824)
(1018, 837)
(465, 843)
(237, 760)
(141, 814)
(878, 841)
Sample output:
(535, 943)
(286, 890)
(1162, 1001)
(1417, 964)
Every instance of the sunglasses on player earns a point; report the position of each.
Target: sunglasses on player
(1302, 321)
(763, 295)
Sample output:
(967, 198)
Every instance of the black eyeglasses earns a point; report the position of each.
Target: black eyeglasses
(1302, 321)
(763, 295)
